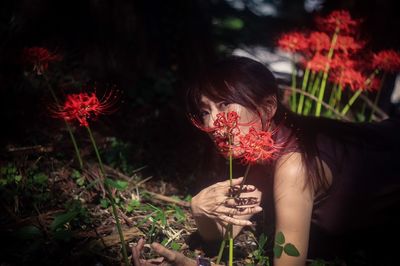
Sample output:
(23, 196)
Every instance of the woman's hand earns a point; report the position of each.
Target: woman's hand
(215, 203)
(169, 257)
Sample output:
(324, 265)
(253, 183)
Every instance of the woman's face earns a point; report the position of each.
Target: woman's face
(247, 118)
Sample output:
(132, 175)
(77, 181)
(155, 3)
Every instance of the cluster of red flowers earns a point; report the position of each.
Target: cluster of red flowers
(338, 21)
(337, 36)
(255, 146)
(84, 106)
(388, 60)
(39, 58)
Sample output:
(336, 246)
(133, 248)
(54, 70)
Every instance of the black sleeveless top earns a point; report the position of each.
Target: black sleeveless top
(360, 212)
(361, 209)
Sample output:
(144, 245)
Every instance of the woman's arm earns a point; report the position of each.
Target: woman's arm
(293, 206)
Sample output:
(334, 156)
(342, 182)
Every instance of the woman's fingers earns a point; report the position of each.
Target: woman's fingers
(238, 189)
(227, 183)
(233, 220)
(175, 258)
(163, 251)
(239, 211)
(136, 250)
(243, 202)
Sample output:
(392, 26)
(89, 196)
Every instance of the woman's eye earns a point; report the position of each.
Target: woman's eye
(203, 113)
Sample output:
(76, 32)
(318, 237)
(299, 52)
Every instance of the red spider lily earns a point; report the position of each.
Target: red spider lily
(373, 84)
(293, 42)
(225, 129)
(319, 41)
(84, 106)
(39, 58)
(387, 60)
(341, 61)
(317, 63)
(350, 77)
(348, 43)
(338, 20)
(257, 146)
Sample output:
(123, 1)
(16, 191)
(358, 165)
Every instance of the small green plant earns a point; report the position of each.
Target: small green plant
(9, 175)
(117, 155)
(259, 255)
(77, 176)
(75, 216)
(280, 247)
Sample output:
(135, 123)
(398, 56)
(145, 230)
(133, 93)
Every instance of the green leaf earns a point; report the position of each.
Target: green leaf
(175, 246)
(80, 181)
(278, 251)
(40, 178)
(118, 184)
(29, 232)
(179, 214)
(291, 250)
(104, 203)
(262, 240)
(75, 174)
(232, 23)
(280, 238)
(62, 219)
(18, 178)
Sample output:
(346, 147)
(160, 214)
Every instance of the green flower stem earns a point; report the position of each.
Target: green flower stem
(223, 243)
(78, 155)
(307, 101)
(230, 227)
(339, 95)
(325, 77)
(230, 245)
(313, 92)
(71, 135)
(113, 205)
(293, 96)
(303, 87)
(221, 250)
(378, 94)
(332, 99)
(351, 101)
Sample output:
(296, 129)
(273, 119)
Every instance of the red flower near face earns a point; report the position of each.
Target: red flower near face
(317, 63)
(387, 60)
(349, 77)
(226, 128)
(338, 20)
(84, 106)
(39, 58)
(293, 42)
(257, 146)
(319, 41)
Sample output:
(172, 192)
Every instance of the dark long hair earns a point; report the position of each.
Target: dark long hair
(247, 82)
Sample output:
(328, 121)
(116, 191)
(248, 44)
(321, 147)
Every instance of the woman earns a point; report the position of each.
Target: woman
(330, 187)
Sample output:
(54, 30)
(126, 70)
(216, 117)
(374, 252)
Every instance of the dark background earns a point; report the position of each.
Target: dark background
(147, 50)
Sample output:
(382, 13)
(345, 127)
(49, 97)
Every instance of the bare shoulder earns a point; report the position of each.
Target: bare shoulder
(290, 172)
